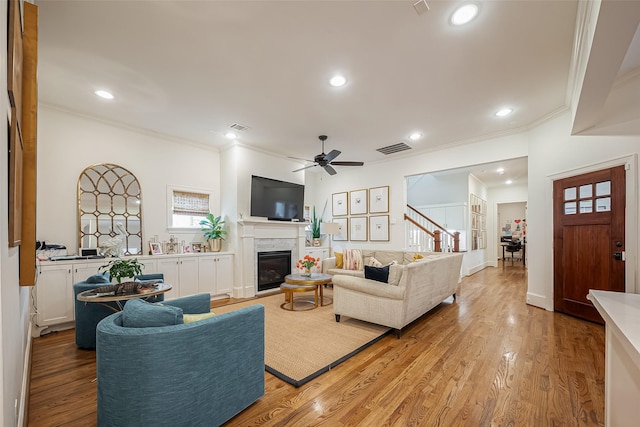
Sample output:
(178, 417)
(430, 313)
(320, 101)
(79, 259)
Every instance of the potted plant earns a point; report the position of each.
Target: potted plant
(315, 228)
(121, 268)
(213, 231)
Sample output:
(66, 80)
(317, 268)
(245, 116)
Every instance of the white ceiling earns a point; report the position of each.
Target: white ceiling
(191, 69)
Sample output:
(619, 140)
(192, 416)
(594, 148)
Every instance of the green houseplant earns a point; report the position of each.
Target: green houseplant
(213, 231)
(315, 228)
(120, 268)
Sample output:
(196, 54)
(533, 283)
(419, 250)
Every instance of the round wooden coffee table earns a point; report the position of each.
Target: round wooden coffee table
(299, 283)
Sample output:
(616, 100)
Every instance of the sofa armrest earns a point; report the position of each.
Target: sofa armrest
(368, 286)
(328, 264)
(192, 304)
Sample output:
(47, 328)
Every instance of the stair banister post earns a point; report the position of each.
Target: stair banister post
(456, 241)
(436, 241)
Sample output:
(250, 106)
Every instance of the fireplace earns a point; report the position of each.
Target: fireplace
(272, 267)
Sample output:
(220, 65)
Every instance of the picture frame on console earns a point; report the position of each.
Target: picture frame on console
(339, 204)
(155, 248)
(197, 247)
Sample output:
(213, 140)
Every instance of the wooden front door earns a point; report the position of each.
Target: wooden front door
(588, 239)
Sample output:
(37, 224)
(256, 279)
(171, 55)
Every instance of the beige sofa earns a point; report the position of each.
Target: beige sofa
(422, 285)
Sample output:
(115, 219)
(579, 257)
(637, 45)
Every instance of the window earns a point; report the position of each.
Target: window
(187, 207)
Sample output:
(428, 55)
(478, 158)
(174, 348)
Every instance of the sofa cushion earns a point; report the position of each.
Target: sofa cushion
(395, 274)
(380, 274)
(190, 318)
(339, 260)
(353, 259)
(370, 287)
(138, 313)
(354, 273)
(98, 278)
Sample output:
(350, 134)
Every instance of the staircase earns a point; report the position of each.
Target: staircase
(425, 235)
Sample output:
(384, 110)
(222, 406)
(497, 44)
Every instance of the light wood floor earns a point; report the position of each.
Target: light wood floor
(486, 359)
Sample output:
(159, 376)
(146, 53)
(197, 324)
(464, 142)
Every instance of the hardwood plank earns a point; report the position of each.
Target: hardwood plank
(485, 359)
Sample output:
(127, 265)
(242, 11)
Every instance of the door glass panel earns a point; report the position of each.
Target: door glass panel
(570, 208)
(586, 191)
(603, 188)
(570, 193)
(603, 204)
(586, 206)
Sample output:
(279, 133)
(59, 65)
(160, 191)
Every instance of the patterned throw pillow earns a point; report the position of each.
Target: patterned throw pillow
(374, 262)
(353, 259)
(339, 260)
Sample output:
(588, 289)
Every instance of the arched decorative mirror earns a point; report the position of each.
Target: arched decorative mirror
(109, 210)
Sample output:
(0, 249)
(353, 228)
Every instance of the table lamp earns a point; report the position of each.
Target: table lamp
(329, 228)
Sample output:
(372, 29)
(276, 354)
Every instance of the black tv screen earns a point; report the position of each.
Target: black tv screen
(278, 200)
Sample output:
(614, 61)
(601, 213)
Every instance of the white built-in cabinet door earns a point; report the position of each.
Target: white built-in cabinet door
(181, 273)
(54, 301)
(216, 274)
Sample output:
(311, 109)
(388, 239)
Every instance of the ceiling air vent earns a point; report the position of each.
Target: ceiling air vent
(395, 148)
(239, 127)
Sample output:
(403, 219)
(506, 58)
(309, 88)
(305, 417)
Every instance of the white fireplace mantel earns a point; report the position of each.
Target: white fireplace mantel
(257, 232)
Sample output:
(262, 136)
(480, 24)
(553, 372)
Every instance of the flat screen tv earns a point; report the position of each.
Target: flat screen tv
(276, 200)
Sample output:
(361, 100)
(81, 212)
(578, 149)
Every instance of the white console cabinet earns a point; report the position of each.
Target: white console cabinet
(53, 299)
(53, 302)
(317, 252)
(216, 274)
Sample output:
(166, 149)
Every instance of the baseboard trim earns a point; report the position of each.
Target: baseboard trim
(23, 405)
(479, 267)
(538, 301)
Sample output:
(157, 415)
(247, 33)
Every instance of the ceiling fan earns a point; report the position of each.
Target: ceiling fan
(326, 160)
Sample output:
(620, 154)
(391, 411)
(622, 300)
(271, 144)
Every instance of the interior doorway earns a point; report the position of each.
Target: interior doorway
(512, 226)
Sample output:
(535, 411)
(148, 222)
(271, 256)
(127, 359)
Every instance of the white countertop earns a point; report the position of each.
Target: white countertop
(621, 311)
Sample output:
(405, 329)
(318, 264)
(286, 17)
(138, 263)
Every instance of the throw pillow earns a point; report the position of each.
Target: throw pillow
(190, 318)
(99, 278)
(417, 257)
(395, 274)
(374, 262)
(138, 313)
(339, 260)
(353, 259)
(380, 274)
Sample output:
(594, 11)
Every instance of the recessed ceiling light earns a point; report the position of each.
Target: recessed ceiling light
(415, 136)
(509, 182)
(500, 171)
(104, 94)
(230, 135)
(464, 14)
(338, 80)
(504, 112)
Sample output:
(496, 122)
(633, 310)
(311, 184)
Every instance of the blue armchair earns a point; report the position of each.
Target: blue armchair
(192, 374)
(88, 315)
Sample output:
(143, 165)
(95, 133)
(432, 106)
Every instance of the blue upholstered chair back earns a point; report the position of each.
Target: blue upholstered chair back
(202, 373)
(87, 315)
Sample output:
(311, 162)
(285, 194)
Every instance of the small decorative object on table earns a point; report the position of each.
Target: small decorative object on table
(306, 263)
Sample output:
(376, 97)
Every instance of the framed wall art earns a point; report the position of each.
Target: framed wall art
(358, 202)
(379, 228)
(343, 234)
(339, 204)
(379, 199)
(358, 228)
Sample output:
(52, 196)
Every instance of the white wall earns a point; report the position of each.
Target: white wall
(476, 260)
(554, 151)
(14, 300)
(429, 189)
(68, 143)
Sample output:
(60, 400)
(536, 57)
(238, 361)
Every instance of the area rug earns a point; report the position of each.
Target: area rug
(301, 345)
